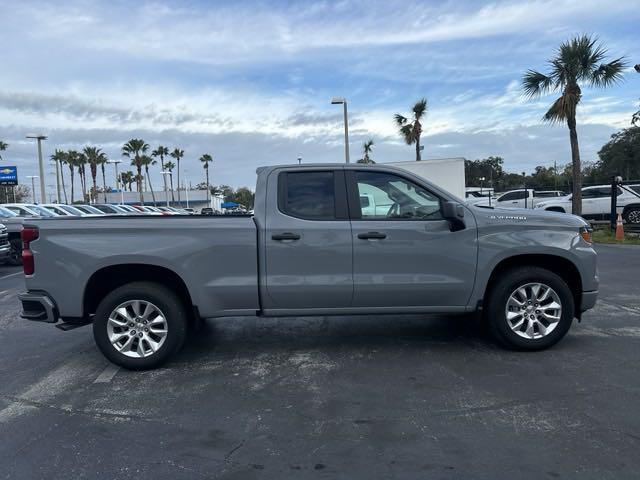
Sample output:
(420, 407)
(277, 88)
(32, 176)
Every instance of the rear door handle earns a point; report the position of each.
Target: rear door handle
(285, 236)
(372, 235)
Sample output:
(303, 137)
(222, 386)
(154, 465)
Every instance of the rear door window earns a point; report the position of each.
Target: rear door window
(308, 195)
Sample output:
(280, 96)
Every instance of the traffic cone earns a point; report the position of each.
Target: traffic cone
(619, 229)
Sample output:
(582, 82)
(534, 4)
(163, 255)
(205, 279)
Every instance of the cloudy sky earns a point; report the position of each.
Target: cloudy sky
(250, 82)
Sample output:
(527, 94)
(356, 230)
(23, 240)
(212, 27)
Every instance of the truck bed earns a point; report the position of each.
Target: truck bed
(216, 256)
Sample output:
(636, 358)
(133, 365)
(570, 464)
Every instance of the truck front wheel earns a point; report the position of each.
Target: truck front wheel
(140, 325)
(529, 308)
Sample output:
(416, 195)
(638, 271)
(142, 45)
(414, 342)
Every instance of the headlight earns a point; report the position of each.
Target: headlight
(585, 233)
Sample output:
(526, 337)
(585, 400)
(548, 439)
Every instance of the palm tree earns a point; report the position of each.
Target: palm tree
(102, 161)
(169, 166)
(161, 152)
(127, 178)
(81, 163)
(60, 158)
(146, 160)
(133, 149)
(94, 157)
(72, 162)
(3, 147)
(206, 159)
(367, 148)
(178, 154)
(577, 62)
(412, 130)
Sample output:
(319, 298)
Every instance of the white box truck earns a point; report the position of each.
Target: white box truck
(447, 173)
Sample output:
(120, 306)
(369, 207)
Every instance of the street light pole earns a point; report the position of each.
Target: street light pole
(343, 101)
(33, 187)
(166, 193)
(115, 163)
(39, 139)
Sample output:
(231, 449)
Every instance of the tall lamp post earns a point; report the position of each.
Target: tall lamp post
(166, 193)
(343, 101)
(115, 163)
(33, 187)
(39, 139)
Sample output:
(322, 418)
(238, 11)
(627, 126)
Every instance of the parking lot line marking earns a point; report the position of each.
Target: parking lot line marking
(10, 275)
(107, 374)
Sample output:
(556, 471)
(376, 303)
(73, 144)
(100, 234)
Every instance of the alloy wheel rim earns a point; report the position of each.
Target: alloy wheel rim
(634, 216)
(137, 328)
(533, 310)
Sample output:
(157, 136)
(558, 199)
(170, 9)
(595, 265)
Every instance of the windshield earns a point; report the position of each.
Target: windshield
(42, 211)
(72, 210)
(55, 209)
(90, 209)
(6, 213)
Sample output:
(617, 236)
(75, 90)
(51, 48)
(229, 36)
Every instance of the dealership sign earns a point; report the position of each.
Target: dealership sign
(8, 175)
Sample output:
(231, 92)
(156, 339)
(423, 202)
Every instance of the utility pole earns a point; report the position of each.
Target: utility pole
(39, 139)
(33, 187)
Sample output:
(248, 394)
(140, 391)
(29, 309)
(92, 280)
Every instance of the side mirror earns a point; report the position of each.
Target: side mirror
(454, 212)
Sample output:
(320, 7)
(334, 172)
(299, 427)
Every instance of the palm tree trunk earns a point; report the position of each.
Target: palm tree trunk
(139, 184)
(104, 183)
(94, 196)
(178, 161)
(71, 168)
(153, 195)
(208, 192)
(418, 153)
(576, 199)
(64, 189)
(173, 198)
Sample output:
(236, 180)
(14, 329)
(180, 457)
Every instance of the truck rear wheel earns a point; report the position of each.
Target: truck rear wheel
(140, 325)
(530, 308)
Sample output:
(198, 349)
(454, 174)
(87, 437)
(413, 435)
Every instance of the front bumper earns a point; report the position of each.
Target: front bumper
(5, 247)
(39, 307)
(588, 300)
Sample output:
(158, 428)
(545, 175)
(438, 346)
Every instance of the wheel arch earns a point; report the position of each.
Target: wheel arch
(561, 266)
(555, 209)
(107, 279)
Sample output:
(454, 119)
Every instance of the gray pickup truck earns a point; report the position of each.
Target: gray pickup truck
(324, 240)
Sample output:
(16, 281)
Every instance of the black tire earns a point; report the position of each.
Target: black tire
(556, 209)
(632, 215)
(15, 255)
(165, 300)
(497, 299)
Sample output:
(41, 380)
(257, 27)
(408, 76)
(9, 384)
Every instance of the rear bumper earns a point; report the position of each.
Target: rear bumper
(39, 307)
(588, 300)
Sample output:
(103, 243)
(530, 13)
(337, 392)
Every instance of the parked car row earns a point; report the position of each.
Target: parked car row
(84, 210)
(596, 201)
(13, 214)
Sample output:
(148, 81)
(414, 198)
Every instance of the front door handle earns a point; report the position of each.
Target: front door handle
(372, 235)
(285, 236)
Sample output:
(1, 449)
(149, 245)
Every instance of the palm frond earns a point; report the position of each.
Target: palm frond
(420, 108)
(608, 74)
(407, 133)
(535, 83)
(400, 119)
(562, 109)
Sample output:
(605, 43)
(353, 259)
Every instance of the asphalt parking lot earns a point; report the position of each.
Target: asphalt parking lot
(346, 397)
